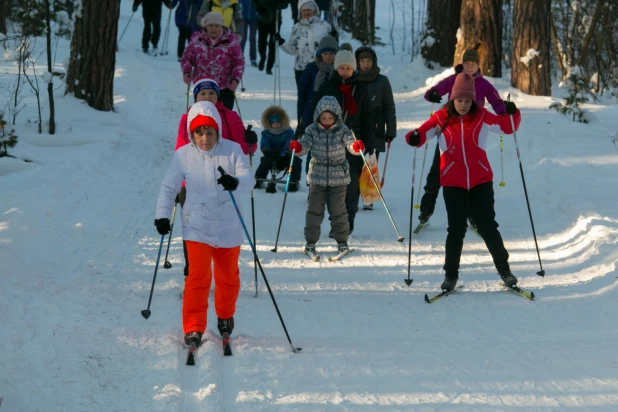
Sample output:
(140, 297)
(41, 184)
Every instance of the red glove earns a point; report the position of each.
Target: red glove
(358, 146)
(295, 146)
(232, 85)
(186, 78)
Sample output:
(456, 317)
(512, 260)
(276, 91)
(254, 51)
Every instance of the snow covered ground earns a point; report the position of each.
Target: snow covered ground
(78, 249)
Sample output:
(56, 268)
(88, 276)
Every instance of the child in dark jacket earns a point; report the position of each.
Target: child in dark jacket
(483, 90)
(329, 172)
(275, 141)
(465, 173)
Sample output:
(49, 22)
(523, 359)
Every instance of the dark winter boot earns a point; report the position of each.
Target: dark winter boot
(269, 71)
(342, 247)
(310, 247)
(193, 337)
(508, 278)
(261, 65)
(449, 283)
(293, 187)
(271, 188)
(423, 218)
(258, 185)
(351, 227)
(225, 325)
(367, 207)
(253, 63)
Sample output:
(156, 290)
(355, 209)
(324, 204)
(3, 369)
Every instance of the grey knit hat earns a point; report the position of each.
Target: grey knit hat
(327, 44)
(345, 57)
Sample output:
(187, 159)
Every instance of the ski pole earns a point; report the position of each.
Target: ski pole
(125, 29)
(242, 85)
(388, 149)
(166, 34)
(502, 182)
(253, 218)
(418, 195)
(167, 264)
(188, 90)
(408, 280)
(242, 222)
(523, 180)
(285, 196)
(278, 67)
(146, 312)
(399, 237)
(237, 105)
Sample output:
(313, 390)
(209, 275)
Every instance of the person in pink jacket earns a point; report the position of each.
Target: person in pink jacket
(231, 129)
(215, 53)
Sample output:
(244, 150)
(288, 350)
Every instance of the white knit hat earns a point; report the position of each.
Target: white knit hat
(345, 57)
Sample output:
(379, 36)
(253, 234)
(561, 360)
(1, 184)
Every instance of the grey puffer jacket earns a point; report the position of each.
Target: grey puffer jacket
(328, 166)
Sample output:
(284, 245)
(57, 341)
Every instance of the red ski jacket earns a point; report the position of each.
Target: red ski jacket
(463, 159)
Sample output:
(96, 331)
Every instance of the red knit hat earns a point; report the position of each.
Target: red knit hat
(463, 88)
(201, 120)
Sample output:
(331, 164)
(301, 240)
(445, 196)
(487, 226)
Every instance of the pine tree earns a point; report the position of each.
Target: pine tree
(577, 88)
(8, 139)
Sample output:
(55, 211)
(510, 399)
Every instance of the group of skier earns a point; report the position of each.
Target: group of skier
(345, 112)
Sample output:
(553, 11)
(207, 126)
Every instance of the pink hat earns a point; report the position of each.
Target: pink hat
(463, 88)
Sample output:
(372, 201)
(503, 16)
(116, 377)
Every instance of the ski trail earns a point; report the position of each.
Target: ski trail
(189, 384)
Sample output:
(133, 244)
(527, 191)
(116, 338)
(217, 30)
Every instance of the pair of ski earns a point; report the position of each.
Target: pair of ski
(316, 258)
(514, 289)
(193, 347)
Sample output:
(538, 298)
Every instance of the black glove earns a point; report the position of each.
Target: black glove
(414, 138)
(434, 96)
(389, 138)
(228, 182)
(163, 226)
(279, 39)
(510, 107)
(250, 136)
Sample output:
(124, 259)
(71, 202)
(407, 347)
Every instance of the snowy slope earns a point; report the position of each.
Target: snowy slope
(78, 249)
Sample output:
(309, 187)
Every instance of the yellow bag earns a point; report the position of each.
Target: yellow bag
(368, 190)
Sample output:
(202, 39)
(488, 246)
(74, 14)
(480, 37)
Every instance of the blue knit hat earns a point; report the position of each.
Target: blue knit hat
(203, 84)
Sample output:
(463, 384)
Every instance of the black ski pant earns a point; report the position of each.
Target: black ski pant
(458, 202)
(184, 34)
(152, 26)
(227, 98)
(432, 188)
(266, 36)
(271, 160)
(353, 192)
(250, 31)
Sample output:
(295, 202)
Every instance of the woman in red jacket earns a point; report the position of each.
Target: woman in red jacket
(233, 129)
(465, 173)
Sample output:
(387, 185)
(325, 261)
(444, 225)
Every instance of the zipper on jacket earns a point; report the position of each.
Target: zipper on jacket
(463, 152)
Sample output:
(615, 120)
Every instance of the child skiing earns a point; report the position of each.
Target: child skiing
(465, 173)
(484, 90)
(211, 228)
(328, 139)
(275, 142)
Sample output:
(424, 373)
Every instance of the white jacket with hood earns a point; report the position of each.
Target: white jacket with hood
(305, 37)
(208, 215)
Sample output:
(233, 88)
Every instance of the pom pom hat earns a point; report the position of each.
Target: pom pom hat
(345, 57)
(463, 88)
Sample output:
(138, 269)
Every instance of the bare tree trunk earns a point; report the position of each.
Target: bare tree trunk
(531, 32)
(583, 55)
(481, 29)
(93, 53)
(50, 84)
(363, 27)
(438, 45)
(347, 15)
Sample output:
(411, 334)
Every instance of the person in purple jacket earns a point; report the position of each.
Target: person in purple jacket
(484, 90)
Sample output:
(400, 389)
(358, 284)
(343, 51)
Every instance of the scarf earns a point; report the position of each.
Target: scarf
(324, 73)
(349, 104)
(369, 76)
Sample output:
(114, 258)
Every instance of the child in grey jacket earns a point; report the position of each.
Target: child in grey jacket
(328, 139)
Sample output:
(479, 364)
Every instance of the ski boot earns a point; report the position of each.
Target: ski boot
(508, 278)
(310, 247)
(342, 247)
(449, 283)
(423, 218)
(258, 185)
(225, 325)
(293, 187)
(368, 207)
(271, 188)
(193, 337)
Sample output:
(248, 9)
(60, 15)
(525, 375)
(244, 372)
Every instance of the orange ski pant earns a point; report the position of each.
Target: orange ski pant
(197, 284)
